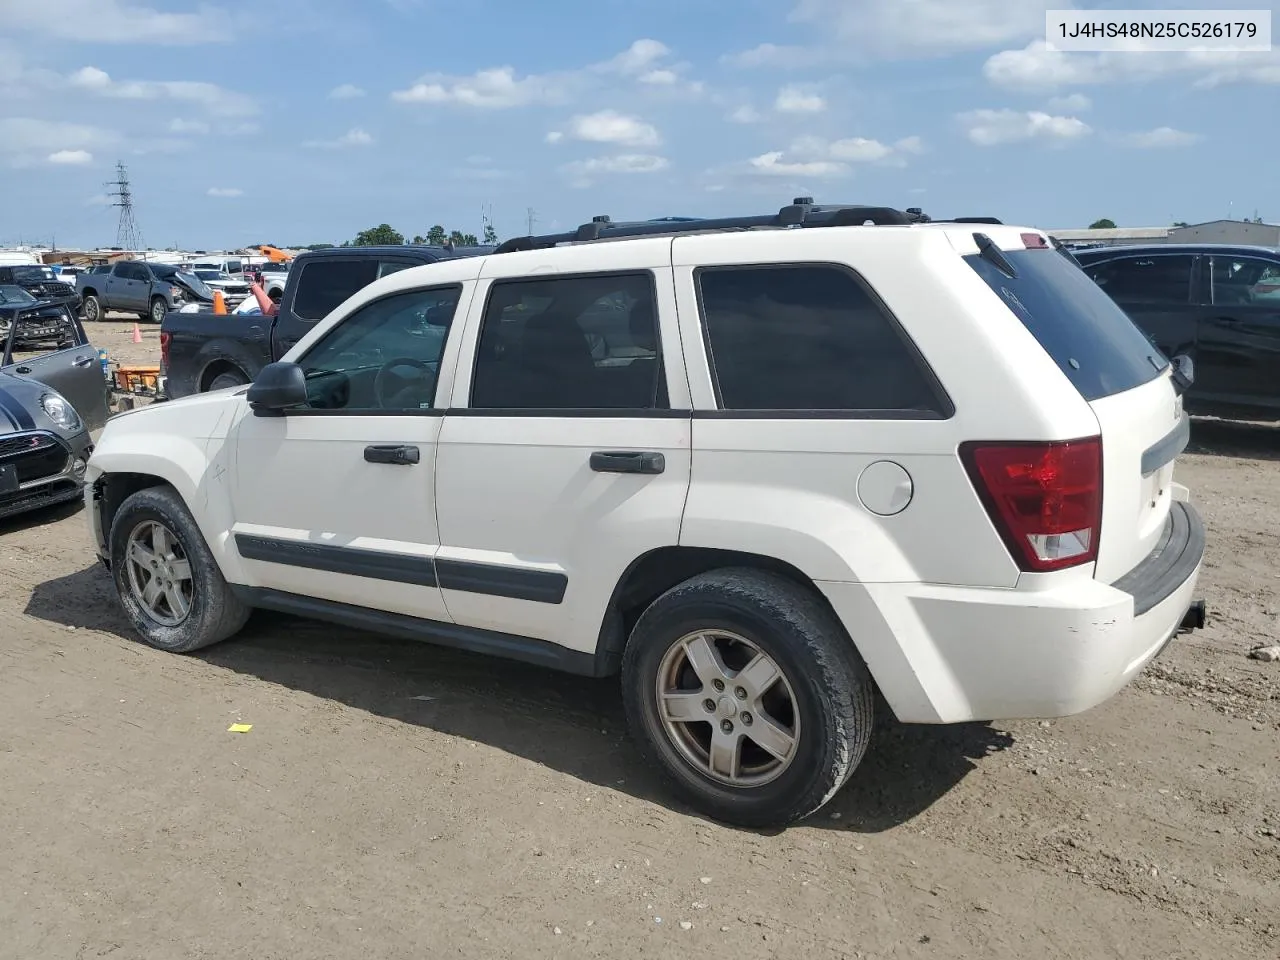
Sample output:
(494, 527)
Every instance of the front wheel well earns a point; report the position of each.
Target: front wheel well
(216, 369)
(654, 573)
(113, 489)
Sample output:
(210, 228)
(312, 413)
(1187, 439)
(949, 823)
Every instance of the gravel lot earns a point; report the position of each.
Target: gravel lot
(396, 800)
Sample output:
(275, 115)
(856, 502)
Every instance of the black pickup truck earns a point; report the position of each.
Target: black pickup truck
(204, 351)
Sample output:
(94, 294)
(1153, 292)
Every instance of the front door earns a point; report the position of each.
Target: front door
(66, 362)
(561, 460)
(1158, 293)
(1238, 356)
(337, 501)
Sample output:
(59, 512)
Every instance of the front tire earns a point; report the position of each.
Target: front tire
(92, 307)
(744, 689)
(168, 582)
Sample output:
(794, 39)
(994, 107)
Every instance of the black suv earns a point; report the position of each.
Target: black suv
(42, 283)
(1218, 304)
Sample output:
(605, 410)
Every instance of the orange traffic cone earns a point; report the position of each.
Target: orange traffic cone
(137, 334)
(219, 303)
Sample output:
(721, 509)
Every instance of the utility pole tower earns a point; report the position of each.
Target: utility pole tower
(531, 217)
(127, 234)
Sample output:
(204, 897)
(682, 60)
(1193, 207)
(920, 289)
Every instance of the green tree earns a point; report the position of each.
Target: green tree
(460, 239)
(436, 236)
(490, 234)
(382, 234)
(1103, 224)
(1181, 223)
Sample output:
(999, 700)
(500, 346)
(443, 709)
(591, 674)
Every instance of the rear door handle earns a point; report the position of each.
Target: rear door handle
(618, 461)
(392, 453)
(22, 369)
(82, 361)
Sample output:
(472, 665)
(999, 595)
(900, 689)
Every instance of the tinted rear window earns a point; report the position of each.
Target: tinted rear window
(1093, 341)
(323, 284)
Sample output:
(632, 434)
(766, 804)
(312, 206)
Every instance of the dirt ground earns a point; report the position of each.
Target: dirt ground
(396, 800)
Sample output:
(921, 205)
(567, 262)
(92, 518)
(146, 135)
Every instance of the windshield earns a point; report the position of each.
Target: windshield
(209, 274)
(11, 294)
(1091, 339)
(32, 274)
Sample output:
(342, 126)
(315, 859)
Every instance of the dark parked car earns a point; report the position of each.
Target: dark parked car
(200, 352)
(42, 283)
(49, 401)
(1218, 304)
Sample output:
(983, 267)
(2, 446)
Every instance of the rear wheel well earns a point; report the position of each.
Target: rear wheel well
(113, 489)
(216, 369)
(88, 292)
(656, 572)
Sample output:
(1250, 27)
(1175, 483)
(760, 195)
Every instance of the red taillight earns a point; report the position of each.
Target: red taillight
(1044, 498)
(164, 348)
(1034, 241)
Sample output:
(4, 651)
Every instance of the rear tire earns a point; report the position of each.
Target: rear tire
(168, 582)
(229, 379)
(815, 709)
(159, 307)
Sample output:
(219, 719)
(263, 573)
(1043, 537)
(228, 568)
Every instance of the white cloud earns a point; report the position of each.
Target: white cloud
(210, 96)
(71, 157)
(345, 91)
(494, 89)
(660, 78)
(117, 22)
(893, 29)
(773, 164)
(795, 99)
(912, 144)
(1160, 138)
(355, 137)
(768, 55)
(1071, 103)
(858, 150)
(745, 114)
(1035, 66)
(554, 136)
(609, 126)
(638, 58)
(225, 192)
(585, 172)
(25, 140)
(988, 128)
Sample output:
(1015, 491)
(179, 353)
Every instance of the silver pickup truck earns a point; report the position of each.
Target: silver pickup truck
(149, 290)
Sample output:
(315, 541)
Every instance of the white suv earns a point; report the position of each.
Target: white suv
(761, 473)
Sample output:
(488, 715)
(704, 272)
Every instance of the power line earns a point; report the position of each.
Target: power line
(128, 236)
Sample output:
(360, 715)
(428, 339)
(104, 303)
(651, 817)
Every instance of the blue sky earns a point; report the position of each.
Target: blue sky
(295, 121)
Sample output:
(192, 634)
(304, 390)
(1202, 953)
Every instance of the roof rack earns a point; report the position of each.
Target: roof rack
(802, 212)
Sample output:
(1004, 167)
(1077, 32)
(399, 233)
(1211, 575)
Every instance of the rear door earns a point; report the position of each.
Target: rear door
(70, 367)
(1121, 374)
(1238, 356)
(1158, 292)
(565, 453)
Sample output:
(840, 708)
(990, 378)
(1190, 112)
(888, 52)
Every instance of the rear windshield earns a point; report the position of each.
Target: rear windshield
(1091, 339)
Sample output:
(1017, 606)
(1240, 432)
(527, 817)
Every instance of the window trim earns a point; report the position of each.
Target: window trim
(602, 413)
(946, 408)
(434, 410)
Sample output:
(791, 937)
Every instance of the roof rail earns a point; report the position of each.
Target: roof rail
(802, 212)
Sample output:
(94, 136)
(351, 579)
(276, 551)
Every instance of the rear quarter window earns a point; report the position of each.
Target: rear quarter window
(1093, 342)
(323, 284)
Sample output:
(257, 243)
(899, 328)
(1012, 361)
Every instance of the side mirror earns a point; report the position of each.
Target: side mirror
(278, 387)
(1183, 373)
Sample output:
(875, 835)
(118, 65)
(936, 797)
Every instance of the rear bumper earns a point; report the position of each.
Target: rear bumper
(944, 654)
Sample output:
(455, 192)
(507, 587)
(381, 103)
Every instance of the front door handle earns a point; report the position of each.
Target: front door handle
(22, 369)
(618, 461)
(82, 361)
(396, 453)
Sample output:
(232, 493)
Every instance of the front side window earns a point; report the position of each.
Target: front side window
(571, 343)
(1163, 279)
(1245, 280)
(808, 337)
(385, 356)
(324, 284)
